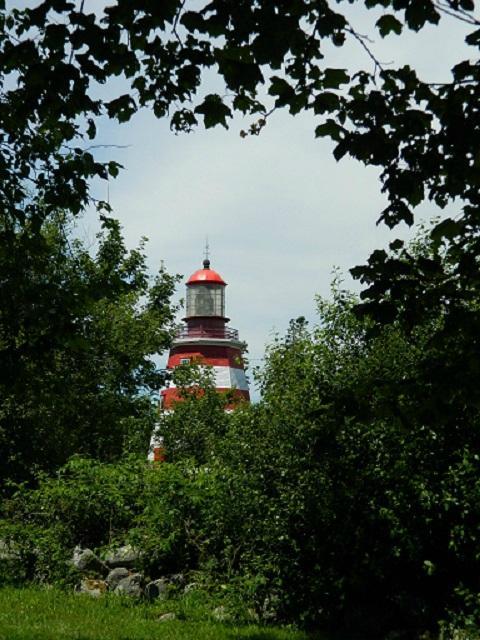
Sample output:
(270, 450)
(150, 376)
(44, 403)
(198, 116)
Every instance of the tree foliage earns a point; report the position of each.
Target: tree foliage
(355, 479)
(56, 57)
(364, 459)
(347, 498)
(349, 495)
(77, 332)
(59, 62)
(200, 420)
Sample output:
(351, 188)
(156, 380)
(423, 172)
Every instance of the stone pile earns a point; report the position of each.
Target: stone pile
(118, 573)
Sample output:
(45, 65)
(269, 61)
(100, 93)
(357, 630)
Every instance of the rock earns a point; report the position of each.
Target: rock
(125, 556)
(86, 560)
(131, 585)
(166, 617)
(115, 575)
(191, 586)
(94, 588)
(157, 589)
(177, 579)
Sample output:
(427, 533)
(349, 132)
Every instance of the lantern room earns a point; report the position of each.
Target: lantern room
(205, 294)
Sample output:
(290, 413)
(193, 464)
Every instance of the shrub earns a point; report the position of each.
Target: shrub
(87, 503)
(344, 499)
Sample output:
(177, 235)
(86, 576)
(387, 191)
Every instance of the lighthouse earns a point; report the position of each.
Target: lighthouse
(205, 339)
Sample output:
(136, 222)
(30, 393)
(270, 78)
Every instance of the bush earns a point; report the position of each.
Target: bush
(171, 512)
(77, 331)
(87, 503)
(345, 499)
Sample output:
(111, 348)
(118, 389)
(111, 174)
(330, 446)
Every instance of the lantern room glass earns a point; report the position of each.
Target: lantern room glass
(206, 300)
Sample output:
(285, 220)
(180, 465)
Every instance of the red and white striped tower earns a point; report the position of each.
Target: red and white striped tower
(206, 339)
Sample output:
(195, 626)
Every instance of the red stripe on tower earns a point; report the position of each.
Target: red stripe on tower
(205, 338)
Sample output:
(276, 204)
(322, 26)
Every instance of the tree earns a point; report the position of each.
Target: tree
(348, 498)
(192, 431)
(77, 332)
(362, 471)
(55, 56)
(408, 403)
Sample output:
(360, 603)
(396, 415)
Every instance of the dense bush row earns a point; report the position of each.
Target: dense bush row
(348, 497)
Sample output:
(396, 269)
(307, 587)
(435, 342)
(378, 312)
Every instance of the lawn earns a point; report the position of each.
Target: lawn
(35, 614)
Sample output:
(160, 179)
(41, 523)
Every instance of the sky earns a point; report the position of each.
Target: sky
(279, 212)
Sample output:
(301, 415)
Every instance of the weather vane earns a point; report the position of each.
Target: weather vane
(207, 249)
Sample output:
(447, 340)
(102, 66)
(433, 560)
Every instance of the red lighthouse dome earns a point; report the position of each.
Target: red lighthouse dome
(206, 275)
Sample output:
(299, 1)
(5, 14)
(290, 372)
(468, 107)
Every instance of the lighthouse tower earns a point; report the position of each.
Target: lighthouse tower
(206, 339)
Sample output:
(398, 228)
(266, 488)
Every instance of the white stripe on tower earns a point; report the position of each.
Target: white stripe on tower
(230, 378)
(226, 378)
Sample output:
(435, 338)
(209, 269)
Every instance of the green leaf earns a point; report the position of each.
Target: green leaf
(375, 3)
(326, 101)
(214, 111)
(183, 120)
(473, 38)
(446, 229)
(388, 23)
(341, 149)
(122, 108)
(330, 128)
(281, 88)
(417, 14)
(333, 78)
(396, 245)
(113, 168)
(193, 21)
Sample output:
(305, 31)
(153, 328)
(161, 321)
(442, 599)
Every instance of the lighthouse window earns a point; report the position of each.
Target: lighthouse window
(206, 300)
(184, 360)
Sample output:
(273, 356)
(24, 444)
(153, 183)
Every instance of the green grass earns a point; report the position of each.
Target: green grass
(35, 614)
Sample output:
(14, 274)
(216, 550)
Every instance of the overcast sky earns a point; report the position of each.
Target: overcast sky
(280, 213)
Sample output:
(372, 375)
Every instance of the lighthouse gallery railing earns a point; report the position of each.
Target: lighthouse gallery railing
(199, 332)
